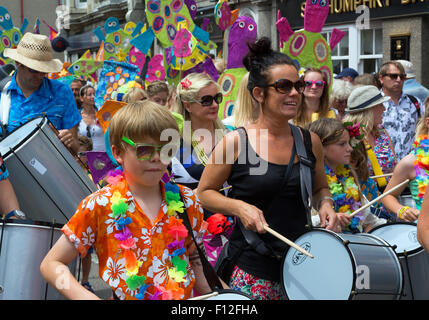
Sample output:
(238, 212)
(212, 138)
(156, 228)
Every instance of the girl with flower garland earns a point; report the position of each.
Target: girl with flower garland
(143, 247)
(342, 180)
(414, 167)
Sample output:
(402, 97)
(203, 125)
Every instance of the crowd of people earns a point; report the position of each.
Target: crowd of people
(362, 136)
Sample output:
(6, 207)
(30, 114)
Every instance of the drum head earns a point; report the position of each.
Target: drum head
(229, 295)
(19, 136)
(330, 275)
(401, 234)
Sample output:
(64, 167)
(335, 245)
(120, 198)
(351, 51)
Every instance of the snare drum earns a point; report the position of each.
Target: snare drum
(345, 266)
(414, 259)
(23, 246)
(47, 180)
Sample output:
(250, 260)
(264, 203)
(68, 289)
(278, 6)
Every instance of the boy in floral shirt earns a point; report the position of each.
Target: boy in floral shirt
(144, 249)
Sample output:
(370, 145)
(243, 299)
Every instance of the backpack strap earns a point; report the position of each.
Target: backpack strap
(416, 104)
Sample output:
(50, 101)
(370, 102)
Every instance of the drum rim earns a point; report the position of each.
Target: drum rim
(400, 254)
(226, 291)
(30, 223)
(15, 148)
(352, 257)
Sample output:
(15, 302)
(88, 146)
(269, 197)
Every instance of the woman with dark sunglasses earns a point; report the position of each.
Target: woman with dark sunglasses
(255, 159)
(88, 126)
(316, 98)
(197, 101)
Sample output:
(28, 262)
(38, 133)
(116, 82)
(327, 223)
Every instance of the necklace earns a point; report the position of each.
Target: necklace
(345, 193)
(127, 244)
(421, 164)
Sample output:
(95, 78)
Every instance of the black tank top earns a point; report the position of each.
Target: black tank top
(283, 207)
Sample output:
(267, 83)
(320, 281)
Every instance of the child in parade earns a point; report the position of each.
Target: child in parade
(143, 247)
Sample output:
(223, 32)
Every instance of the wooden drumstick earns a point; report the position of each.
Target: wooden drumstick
(205, 296)
(379, 197)
(287, 241)
(226, 188)
(382, 175)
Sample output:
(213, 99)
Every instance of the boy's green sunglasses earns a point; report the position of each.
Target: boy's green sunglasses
(144, 151)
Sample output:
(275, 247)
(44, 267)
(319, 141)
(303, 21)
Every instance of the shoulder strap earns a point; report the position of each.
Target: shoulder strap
(305, 172)
(209, 272)
(416, 103)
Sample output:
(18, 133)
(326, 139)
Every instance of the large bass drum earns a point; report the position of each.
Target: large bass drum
(47, 180)
(414, 259)
(345, 266)
(23, 245)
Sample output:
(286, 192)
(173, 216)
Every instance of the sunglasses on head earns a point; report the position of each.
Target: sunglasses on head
(207, 101)
(318, 83)
(285, 86)
(145, 151)
(395, 76)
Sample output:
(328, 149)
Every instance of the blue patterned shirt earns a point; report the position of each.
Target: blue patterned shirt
(53, 99)
(3, 171)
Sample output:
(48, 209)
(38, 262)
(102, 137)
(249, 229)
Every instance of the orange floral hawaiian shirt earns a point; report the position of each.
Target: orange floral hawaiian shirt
(94, 225)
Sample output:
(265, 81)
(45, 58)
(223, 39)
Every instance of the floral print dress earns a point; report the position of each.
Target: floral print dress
(93, 225)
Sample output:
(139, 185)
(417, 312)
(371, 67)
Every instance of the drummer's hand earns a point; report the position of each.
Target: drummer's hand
(344, 219)
(329, 218)
(66, 137)
(252, 218)
(410, 215)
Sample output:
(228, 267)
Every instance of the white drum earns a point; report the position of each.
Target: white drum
(23, 246)
(47, 180)
(345, 266)
(414, 259)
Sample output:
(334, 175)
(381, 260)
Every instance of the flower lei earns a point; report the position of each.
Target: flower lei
(127, 244)
(345, 194)
(354, 131)
(421, 164)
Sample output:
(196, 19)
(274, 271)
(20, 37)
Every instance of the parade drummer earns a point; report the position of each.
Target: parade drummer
(258, 199)
(31, 94)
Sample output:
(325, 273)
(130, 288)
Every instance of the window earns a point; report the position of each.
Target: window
(80, 4)
(371, 51)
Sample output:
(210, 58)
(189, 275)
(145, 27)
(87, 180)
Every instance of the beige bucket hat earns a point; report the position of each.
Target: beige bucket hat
(364, 97)
(35, 51)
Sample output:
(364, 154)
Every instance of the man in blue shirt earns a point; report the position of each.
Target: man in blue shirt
(31, 94)
(411, 85)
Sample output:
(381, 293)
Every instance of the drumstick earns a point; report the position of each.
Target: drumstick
(205, 296)
(226, 188)
(382, 175)
(379, 197)
(287, 241)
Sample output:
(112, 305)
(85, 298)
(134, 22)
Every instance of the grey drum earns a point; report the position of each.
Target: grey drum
(414, 259)
(345, 266)
(23, 245)
(47, 180)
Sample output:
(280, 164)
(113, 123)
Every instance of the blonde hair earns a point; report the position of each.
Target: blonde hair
(366, 118)
(329, 130)
(246, 110)
(341, 90)
(139, 120)
(301, 115)
(360, 157)
(422, 129)
(133, 94)
(189, 93)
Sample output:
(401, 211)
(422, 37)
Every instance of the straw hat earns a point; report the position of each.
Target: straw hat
(35, 51)
(363, 98)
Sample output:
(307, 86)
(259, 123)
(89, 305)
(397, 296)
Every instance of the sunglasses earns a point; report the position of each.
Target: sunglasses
(285, 86)
(318, 83)
(146, 151)
(395, 76)
(207, 101)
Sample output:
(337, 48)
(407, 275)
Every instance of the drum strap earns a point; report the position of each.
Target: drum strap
(304, 172)
(5, 104)
(209, 272)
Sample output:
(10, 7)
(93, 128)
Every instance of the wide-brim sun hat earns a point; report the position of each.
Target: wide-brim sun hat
(363, 98)
(35, 52)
